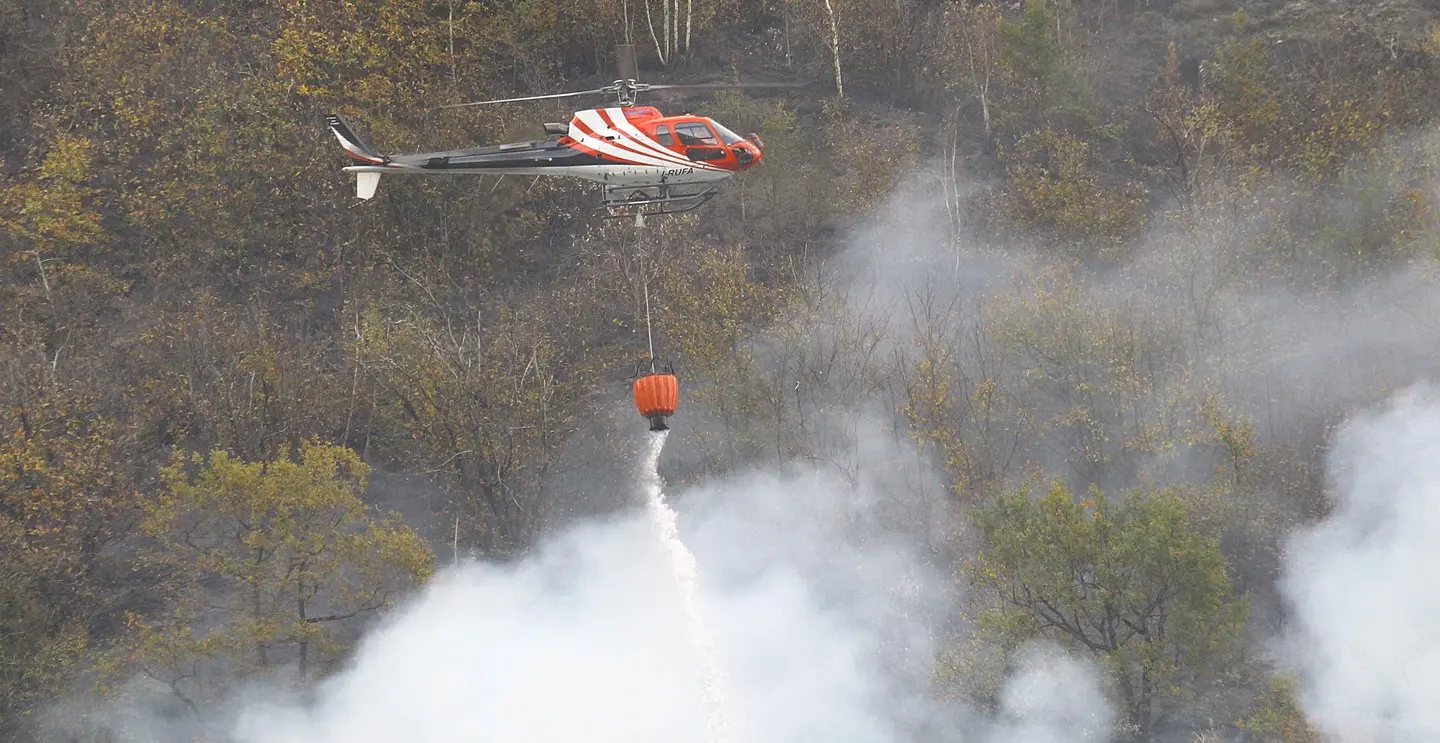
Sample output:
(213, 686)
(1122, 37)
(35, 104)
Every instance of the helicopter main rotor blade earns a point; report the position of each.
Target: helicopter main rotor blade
(528, 98)
(699, 86)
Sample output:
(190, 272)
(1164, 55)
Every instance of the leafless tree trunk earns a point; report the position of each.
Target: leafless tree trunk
(831, 11)
(650, 21)
(978, 31)
(625, 15)
(44, 280)
(950, 180)
(789, 58)
(454, 75)
(982, 86)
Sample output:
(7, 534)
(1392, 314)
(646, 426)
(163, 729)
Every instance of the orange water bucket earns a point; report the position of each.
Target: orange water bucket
(656, 397)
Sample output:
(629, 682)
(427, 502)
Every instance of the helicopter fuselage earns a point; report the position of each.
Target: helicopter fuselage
(622, 148)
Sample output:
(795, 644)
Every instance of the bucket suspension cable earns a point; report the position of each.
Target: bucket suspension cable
(645, 284)
(656, 395)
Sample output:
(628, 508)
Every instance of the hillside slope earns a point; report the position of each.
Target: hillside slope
(1150, 250)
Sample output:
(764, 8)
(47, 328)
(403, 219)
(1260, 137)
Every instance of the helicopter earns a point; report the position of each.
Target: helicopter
(641, 158)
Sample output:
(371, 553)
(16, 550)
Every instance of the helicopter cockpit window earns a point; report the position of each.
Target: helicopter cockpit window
(692, 134)
(662, 135)
(726, 135)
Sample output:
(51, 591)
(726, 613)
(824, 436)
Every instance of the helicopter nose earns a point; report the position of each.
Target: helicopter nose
(754, 148)
(746, 154)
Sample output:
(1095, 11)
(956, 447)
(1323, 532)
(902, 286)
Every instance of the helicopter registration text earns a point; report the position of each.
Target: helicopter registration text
(678, 171)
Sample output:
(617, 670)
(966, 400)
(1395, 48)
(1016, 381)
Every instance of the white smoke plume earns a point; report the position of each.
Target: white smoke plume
(1054, 697)
(819, 635)
(1363, 585)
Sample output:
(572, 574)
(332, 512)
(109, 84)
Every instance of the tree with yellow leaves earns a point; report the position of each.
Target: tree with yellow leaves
(272, 557)
(63, 503)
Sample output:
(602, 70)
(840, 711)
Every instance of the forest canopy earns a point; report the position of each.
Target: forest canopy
(1202, 230)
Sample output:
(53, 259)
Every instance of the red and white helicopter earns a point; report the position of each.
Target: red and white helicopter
(640, 157)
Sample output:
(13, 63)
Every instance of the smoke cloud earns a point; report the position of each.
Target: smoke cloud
(825, 624)
(1361, 583)
(1054, 697)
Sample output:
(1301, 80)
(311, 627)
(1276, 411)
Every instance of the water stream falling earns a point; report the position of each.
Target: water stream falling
(682, 565)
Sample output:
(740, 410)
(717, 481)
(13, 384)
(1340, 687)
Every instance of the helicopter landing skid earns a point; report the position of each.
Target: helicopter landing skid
(642, 201)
